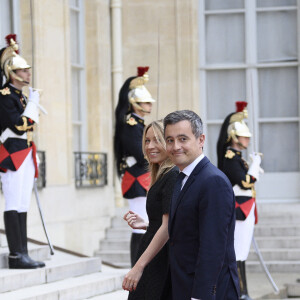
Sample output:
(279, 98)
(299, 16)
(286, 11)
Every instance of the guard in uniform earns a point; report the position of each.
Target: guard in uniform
(234, 137)
(135, 102)
(18, 164)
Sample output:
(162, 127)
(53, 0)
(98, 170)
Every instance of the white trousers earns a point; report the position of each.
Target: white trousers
(243, 236)
(138, 205)
(17, 186)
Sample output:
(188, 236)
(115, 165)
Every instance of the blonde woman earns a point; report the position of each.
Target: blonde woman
(147, 278)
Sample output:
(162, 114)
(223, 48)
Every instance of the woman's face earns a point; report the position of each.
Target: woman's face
(244, 141)
(153, 148)
(146, 108)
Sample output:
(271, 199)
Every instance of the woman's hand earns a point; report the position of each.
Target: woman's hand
(132, 278)
(135, 221)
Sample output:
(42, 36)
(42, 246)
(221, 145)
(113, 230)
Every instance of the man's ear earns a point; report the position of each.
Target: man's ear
(201, 140)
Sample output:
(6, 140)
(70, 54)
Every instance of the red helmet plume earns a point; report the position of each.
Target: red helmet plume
(240, 105)
(10, 37)
(142, 70)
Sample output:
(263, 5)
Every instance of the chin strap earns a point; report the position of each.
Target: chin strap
(15, 76)
(235, 139)
(137, 106)
(242, 146)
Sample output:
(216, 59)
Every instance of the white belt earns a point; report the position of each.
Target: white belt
(240, 192)
(8, 133)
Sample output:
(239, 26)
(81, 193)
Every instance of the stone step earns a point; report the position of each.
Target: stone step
(111, 256)
(75, 288)
(118, 233)
(286, 220)
(58, 268)
(36, 252)
(118, 295)
(276, 254)
(278, 209)
(118, 264)
(293, 290)
(277, 230)
(114, 244)
(274, 266)
(278, 242)
(3, 241)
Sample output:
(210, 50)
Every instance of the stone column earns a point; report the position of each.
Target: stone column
(117, 73)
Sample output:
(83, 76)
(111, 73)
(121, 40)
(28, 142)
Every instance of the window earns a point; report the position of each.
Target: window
(248, 51)
(9, 20)
(78, 74)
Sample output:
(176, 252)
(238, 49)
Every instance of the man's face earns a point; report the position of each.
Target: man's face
(182, 146)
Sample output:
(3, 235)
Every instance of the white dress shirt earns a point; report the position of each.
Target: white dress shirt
(190, 168)
(188, 171)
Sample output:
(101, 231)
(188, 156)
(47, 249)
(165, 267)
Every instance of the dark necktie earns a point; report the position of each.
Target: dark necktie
(177, 189)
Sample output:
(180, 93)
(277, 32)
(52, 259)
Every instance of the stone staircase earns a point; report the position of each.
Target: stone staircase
(278, 237)
(65, 277)
(115, 248)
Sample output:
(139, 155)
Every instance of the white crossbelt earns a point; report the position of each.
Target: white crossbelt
(8, 133)
(240, 192)
(130, 161)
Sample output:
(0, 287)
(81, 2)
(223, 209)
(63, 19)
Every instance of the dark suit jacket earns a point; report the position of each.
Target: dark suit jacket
(201, 230)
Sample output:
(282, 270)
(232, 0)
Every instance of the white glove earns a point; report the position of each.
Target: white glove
(34, 96)
(255, 168)
(31, 111)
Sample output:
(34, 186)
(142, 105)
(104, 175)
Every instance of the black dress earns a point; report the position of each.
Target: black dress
(155, 273)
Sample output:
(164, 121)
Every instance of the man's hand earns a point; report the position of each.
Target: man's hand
(134, 220)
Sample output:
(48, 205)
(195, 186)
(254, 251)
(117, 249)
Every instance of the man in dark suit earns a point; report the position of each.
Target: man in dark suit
(202, 217)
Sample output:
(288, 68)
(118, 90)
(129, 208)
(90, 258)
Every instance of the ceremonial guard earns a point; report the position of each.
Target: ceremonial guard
(234, 137)
(135, 102)
(18, 164)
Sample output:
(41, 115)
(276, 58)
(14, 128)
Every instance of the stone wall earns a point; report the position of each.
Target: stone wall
(160, 34)
(163, 35)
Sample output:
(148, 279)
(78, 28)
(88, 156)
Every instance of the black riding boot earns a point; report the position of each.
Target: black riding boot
(16, 258)
(241, 266)
(134, 247)
(23, 230)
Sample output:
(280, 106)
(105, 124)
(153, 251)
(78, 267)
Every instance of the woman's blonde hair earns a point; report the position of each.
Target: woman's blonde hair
(156, 170)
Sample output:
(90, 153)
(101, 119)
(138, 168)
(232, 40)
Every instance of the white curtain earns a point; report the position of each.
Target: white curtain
(74, 3)
(278, 92)
(5, 21)
(74, 31)
(277, 36)
(279, 142)
(212, 135)
(225, 41)
(223, 89)
(77, 73)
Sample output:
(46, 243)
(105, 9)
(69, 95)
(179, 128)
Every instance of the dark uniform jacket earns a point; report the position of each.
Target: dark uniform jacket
(236, 169)
(14, 150)
(136, 178)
